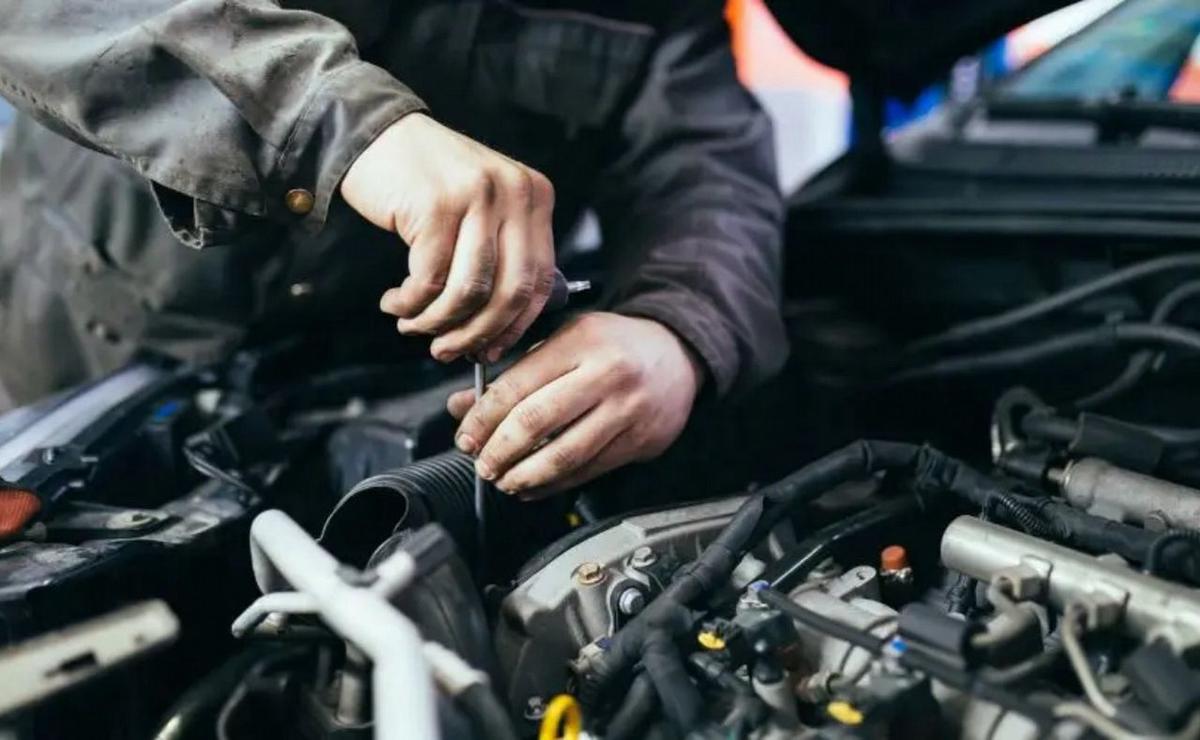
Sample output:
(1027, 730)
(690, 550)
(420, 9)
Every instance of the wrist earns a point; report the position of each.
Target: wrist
(689, 363)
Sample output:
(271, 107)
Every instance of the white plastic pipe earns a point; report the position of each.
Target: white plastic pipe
(404, 699)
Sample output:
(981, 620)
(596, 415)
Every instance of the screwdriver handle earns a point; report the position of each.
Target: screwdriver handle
(562, 290)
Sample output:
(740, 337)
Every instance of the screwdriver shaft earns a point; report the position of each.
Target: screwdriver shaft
(481, 534)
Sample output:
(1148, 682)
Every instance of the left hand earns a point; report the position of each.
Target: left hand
(604, 390)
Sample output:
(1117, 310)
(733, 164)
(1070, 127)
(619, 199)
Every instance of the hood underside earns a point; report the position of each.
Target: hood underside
(897, 47)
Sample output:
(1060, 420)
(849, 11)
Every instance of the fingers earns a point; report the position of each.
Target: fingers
(568, 453)
(524, 272)
(470, 280)
(533, 371)
(531, 421)
(429, 261)
(616, 453)
(510, 335)
(460, 402)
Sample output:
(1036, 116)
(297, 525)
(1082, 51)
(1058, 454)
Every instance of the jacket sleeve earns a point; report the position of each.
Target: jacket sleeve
(225, 105)
(692, 205)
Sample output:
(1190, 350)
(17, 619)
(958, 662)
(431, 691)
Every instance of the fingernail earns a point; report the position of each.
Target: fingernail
(494, 355)
(485, 471)
(466, 444)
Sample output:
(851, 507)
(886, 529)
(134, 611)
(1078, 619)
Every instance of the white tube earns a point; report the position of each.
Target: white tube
(286, 602)
(404, 700)
(453, 674)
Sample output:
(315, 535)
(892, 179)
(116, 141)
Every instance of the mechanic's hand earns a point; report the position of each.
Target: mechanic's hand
(605, 390)
(481, 259)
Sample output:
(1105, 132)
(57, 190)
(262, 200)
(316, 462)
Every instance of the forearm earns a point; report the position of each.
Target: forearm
(712, 276)
(230, 103)
(693, 210)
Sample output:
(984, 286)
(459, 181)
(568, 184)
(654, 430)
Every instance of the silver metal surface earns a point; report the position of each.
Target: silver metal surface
(1149, 607)
(37, 669)
(643, 557)
(631, 601)
(850, 599)
(481, 523)
(549, 617)
(1105, 490)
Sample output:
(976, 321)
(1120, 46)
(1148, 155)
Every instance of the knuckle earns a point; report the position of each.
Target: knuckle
(429, 285)
(531, 418)
(542, 190)
(563, 459)
(470, 424)
(518, 184)
(507, 338)
(520, 294)
(623, 371)
(639, 403)
(543, 281)
(491, 459)
(502, 394)
(474, 290)
(488, 189)
(481, 186)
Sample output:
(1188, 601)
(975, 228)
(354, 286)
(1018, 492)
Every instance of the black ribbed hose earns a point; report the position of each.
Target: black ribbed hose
(1154, 554)
(439, 488)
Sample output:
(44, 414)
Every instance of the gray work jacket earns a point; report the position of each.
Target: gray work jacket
(147, 123)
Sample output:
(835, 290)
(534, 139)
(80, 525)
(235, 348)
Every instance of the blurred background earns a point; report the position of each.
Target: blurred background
(811, 102)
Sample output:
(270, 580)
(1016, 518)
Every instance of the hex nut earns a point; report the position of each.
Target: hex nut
(589, 574)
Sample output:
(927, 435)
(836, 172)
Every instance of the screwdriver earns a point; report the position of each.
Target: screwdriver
(560, 296)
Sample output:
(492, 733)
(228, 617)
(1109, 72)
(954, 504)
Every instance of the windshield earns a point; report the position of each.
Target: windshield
(1143, 49)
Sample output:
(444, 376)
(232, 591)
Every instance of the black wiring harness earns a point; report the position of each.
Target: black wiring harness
(955, 352)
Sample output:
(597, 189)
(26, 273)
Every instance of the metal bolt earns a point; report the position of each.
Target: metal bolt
(301, 290)
(535, 708)
(631, 601)
(274, 623)
(589, 574)
(643, 557)
(749, 598)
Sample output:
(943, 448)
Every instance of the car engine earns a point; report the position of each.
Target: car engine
(995, 566)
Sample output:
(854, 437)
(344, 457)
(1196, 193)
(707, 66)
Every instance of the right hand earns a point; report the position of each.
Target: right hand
(478, 226)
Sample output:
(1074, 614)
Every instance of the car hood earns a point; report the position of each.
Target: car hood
(899, 46)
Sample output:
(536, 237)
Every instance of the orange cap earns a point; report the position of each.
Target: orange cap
(17, 508)
(893, 557)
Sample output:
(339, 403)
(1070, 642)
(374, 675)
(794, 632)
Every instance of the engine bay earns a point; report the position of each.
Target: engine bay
(970, 561)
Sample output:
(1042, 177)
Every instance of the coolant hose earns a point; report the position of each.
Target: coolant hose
(629, 721)
(664, 665)
(438, 488)
(487, 714)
